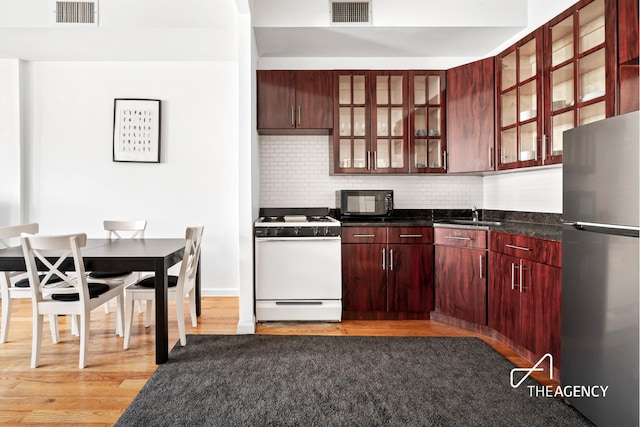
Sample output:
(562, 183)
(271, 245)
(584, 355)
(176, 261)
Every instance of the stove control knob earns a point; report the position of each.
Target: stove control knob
(296, 231)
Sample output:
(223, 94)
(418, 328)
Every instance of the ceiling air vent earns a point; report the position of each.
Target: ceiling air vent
(76, 12)
(350, 12)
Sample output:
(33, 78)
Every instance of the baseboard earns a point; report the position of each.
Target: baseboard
(247, 327)
(219, 292)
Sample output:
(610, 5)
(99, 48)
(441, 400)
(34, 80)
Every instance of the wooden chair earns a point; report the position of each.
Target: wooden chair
(179, 287)
(122, 230)
(71, 295)
(13, 284)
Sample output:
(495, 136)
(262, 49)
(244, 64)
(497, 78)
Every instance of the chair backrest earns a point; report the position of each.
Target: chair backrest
(125, 229)
(52, 252)
(14, 232)
(189, 266)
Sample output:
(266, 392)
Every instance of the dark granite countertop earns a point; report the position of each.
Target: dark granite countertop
(532, 224)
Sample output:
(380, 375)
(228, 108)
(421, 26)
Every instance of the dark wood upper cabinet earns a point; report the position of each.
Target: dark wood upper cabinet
(628, 44)
(295, 102)
(470, 117)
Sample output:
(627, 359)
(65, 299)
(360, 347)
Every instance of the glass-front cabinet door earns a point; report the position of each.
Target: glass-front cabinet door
(351, 134)
(389, 122)
(519, 79)
(427, 143)
(577, 90)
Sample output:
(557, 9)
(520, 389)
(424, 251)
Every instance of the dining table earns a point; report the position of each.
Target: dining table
(154, 255)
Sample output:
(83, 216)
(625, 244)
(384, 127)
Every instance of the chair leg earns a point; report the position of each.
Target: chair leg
(53, 325)
(6, 315)
(128, 318)
(192, 308)
(119, 315)
(36, 340)
(180, 315)
(106, 307)
(84, 339)
(75, 331)
(147, 314)
(140, 310)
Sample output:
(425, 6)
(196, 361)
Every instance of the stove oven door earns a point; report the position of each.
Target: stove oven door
(298, 268)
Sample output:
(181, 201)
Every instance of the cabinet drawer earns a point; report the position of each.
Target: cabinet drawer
(461, 237)
(530, 248)
(410, 235)
(364, 234)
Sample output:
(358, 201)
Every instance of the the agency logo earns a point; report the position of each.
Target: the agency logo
(568, 391)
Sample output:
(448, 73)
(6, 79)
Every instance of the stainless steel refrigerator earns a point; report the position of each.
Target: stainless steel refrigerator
(600, 279)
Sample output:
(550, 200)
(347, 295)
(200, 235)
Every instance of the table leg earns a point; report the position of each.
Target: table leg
(198, 291)
(162, 320)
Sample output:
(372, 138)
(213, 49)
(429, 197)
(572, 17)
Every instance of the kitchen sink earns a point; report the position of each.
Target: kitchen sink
(472, 222)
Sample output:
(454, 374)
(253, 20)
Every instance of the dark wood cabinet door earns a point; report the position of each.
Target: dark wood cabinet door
(410, 273)
(504, 297)
(364, 281)
(314, 99)
(470, 117)
(276, 99)
(628, 31)
(461, 283)
(540, 309)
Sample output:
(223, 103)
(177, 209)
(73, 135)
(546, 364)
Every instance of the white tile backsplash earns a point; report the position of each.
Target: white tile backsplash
(294, 172)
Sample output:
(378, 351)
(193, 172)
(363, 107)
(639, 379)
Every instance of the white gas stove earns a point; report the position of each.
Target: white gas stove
(298, 265)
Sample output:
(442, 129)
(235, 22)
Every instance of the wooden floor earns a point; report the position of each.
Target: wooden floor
(58, 393)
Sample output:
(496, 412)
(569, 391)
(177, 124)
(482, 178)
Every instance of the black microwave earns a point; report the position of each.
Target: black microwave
(364, 202)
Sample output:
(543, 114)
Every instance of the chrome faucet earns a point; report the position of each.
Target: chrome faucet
(474, 214)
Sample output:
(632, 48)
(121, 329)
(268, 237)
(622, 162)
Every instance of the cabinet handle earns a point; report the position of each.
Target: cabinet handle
(293, 116)
(457, 238)
(521, 276)
(491, 157)
(411, 236)
(375, 160)
(481, 272)
(383, 259)
(363, 235)
(513, 275)
(369, 160)
(391, 259)
(518, 247)
(299, 115)
(544, 148)
(445, 160)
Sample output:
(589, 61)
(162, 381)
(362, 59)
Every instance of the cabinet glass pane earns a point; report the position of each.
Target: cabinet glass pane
(562, 87)
(345, 153)
(419, 90)
(396, 90)
(344, 88)
(509, 147)
(434, 121)
(435, 160)
(528, 141)
(560, 123)
(382, 119)
(528, 106)
(434, 89)
(420, 120)
(420, 153)
(397, 122)
(345, 121)
(562, 41)
(382, 154)
(359, 90)
(359, 154)
(508, 104)
(359, 122)
(508, 71)
(591, 113)
(528, 60)
(397, 153)
(382, 90)
(591, 25)
(591, 74)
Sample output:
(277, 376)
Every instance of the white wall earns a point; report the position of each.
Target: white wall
(74, 184)
(294, 172)
(535, 190)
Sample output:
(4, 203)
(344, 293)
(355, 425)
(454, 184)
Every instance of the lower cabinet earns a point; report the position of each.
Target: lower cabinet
(387, 270)
(525, 292)
(461, 274)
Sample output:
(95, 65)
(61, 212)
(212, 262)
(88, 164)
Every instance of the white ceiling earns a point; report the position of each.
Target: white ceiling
(194, 30)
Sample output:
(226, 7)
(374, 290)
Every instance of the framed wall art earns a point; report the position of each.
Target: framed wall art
(136, 130)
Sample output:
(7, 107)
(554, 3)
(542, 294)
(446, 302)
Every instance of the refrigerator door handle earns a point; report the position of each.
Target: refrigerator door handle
(594, 227)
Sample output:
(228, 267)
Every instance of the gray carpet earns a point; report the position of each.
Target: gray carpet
(259, 380)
